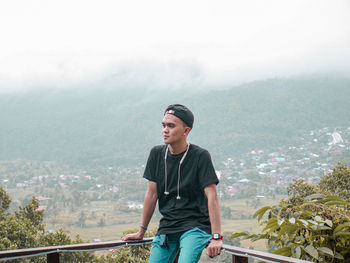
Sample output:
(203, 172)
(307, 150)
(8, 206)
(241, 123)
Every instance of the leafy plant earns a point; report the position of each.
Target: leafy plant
(315, 227)
(24, 228)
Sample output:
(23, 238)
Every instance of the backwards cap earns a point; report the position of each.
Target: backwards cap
(182, 112)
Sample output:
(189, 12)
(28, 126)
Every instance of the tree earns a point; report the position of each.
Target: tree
(298, 190)
(101, 224)
(226, 212)
(4, 202)
(82, 218)
(60, 237)
(24, 228)
(130, 254)
(313, 223)
(338, 182)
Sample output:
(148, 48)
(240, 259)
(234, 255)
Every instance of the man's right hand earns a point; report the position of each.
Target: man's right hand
(135, 236)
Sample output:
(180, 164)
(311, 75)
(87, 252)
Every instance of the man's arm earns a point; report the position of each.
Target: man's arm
(149, 205)
(214, 247)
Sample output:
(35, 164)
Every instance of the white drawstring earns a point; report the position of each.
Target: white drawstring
(178, 172)
(166, 173)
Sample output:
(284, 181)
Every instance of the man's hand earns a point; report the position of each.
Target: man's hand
(214, 248)
(135, 236)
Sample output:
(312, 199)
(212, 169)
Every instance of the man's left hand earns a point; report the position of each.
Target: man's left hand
(214, 248)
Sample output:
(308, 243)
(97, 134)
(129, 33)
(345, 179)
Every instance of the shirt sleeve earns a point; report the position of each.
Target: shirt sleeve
(206, 171)
(150, 170)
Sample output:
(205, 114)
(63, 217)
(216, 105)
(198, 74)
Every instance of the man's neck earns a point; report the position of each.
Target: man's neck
(178, 147)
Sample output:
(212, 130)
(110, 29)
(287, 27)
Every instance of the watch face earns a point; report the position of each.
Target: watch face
(216, 236)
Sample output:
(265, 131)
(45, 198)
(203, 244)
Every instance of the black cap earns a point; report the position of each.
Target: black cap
(182, 112)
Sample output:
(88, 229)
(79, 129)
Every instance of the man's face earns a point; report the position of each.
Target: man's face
(173, 129)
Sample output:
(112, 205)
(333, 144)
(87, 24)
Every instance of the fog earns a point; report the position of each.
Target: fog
(163, 44)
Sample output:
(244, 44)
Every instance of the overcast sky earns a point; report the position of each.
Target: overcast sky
(69, 41)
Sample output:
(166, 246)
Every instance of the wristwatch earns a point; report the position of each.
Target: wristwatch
(216, 236)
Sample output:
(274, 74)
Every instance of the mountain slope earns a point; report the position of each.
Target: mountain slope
(121, 125)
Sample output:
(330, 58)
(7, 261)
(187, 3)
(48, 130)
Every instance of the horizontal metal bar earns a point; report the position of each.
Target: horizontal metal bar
(268, 257)
(30, 252)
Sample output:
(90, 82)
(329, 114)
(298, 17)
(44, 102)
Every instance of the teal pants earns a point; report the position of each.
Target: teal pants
(190, 243)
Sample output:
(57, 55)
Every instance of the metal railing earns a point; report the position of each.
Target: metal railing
(54, 251)
(239, 255)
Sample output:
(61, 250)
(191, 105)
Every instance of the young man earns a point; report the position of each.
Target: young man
(181, 177)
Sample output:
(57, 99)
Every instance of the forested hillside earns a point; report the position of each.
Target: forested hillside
(119, 126)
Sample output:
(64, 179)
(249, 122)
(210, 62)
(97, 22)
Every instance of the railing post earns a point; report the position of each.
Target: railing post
(239, 259)
(53, 258)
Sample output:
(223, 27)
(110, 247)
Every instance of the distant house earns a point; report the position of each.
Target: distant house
(41, 208)
(133, 205)
(262, 165)
(336, 138)
(232, 191)
(42, 198)
(114, 189)
(244, 180)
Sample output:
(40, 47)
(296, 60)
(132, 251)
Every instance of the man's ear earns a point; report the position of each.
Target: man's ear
(187, 130)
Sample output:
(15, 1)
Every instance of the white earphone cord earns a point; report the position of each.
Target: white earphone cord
(178, 172)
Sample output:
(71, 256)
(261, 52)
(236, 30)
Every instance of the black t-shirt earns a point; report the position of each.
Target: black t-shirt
(196, 173)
